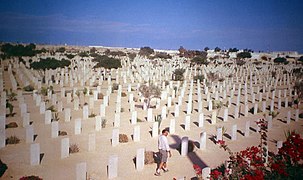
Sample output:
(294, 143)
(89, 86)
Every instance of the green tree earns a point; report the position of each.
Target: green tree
(280, 60)
(107, 62)
(49, 63)
(200, 60)
(146, 51)
(178, 74)
(206, 49)
(217, 49)
(243, 55)
(61, 50)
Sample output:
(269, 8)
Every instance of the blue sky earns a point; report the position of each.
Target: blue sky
(162, 24)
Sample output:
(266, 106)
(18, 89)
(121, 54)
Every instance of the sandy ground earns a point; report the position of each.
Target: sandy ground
(53, 167)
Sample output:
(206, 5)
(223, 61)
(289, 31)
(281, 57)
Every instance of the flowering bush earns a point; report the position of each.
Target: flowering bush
(255, 163)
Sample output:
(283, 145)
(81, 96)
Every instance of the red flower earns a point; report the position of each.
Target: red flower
(221, 142)
(197, 169)
(215, 174)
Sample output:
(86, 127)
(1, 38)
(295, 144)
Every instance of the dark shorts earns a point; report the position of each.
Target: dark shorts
(163, 155)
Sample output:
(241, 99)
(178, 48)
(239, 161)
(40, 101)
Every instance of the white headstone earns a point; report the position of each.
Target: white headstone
(201, 120)
(155, 130)
(203, 140)
(91, 142)
(78, 127)
(140, 159)
(98, 123)
(85, 112)
(136, 135)
(214, 117)
(234, 132)
(115, 137)
(81, 171)
(35, 154)
(288, 117)
(117, 120)
(55, 129)
(172, 126)
(184, 146)
(64, 148)
(48, 117)
(219, 134)
(134, 117)
(225, 116)
(67, 114)
(149, 114)
(113, 167)
(29, 134)
(247, 128)
(187, 123)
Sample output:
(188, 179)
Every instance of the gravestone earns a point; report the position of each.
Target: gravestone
(113, 167)
(35, 154)
(48, 117)
(134, 117)
(172, 126)
(269, 122)
(219, 134)
(234, 132)
(214, 117)
(25, 119)
(64, 148)
(140, 159)
(201, 120)
(81, 171)
(177, 110)
(187, 123)
(55, 129)
(115, 137)
(136, 134)
(117, 120)
(67, 114)
(149, 114)
(155, 130)
(247, 128)
(288, 117)
(203, 140)
(85, 112)
(78, 127)
(29, 134)
(98, 123)
(184, 146)
(91, 142)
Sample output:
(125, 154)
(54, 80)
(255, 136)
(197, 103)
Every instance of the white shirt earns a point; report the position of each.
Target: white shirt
(163, 143)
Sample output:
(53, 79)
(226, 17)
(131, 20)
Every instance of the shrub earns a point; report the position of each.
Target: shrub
(100, 96)
(28, 88)
(32, 177)
(92, 115)
(149, 157)
(178, 74)
(200, 60)
(301, 115)
(107, 62)
(200, 77)
(146, 51)
(62, 133)
(52, 108)
(3, 168)
(273, 114)
(103, 123)
(243, 55)
(11, 125)
(115, 86)
(74, 148)
(123, 94)
(50, 63)
(123, 138)
(12, 140)
(280, 60)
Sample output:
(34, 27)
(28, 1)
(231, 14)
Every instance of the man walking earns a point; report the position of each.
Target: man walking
(164, 151)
